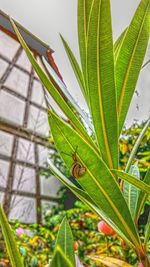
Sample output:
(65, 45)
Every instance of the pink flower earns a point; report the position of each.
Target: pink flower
(19, 231)
(105, 229)
(140, 264)
(78, 263)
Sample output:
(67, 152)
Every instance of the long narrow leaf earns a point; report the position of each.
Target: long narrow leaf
(60, 259)
(67, 94)
(101, 82)
(130, 58)
(52, 90)
(84, 8)
(109, 261)
(147, 231)
(65, 241)
(97, 179)
(136, 145)
(131, 192)
(12, 250)
(75, 66)
(118, 43)
(131, 179)
(142, 197)
(85, 198)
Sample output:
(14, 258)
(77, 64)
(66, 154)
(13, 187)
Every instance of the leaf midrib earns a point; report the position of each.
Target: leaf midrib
(100, 94)
(129, 66)
(106, 196)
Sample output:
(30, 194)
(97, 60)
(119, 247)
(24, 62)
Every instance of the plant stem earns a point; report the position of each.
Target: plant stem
(135, 148)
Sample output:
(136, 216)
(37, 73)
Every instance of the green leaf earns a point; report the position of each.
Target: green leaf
(101, 82)
(60, 259)
(12, 250)
(147, 231)
(52, 90)
(97, 181)
(131, 193)
(85, 198)
(136, 145)
(109, 261)
(84, 7)
(75, 66)
(65, 241)
(142, 196)
(130, 58)
(132, 180)
(118, 43)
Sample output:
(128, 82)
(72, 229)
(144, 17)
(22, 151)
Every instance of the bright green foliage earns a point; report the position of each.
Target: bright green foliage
(147, 231)
(142, 196)
(108, 76)
(130, 58)
(131, 179)
(65, 241)
(75, 66)
(131, 193)
(15, 257)
(101, 81)
(84, 9)
(59, 259)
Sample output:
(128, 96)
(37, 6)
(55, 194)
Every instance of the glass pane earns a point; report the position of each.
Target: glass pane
(18, 81)
(8, 46)
(38, 121)
(24, 179)
(6, 141)
(38, 94)
(43, 155)
(4, 168)
(16, 106)
(23, 209)
(49, 186)
(25, 151)
(24, 62)
(3, 66)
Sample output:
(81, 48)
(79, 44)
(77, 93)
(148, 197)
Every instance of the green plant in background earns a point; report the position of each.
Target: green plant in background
(107, 77)
(37, 242)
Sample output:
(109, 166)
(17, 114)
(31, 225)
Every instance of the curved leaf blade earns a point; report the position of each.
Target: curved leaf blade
(109, 261)
(97, 181)
(52, 90)
(131, 179)
(75, 66)
(85, 198)
(142, 196)
(101, 82)
(84, 7)
(130, 58)
(65, 241)
(60, 259)
(131, 193)
(147, 231)
(118, 43)
(14, 255)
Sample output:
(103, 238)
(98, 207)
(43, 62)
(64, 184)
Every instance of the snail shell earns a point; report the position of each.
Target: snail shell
(78, 170)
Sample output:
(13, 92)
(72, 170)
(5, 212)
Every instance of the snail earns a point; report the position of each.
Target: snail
(77, 169)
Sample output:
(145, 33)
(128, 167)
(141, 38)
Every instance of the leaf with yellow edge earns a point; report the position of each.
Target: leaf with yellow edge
(101, 81)
(130, 58)
(109, 261)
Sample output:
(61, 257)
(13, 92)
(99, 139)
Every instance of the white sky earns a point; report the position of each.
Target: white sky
(47, 18)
